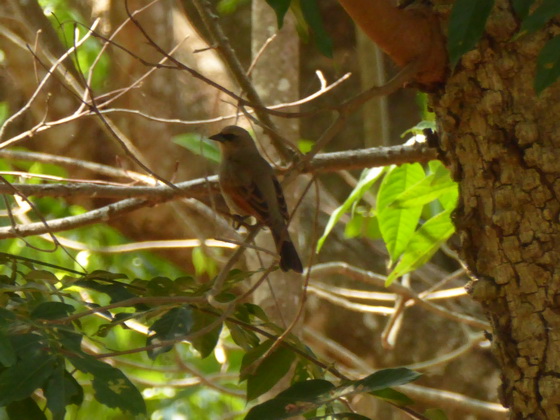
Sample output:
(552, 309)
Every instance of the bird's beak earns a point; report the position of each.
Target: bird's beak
(217, 137)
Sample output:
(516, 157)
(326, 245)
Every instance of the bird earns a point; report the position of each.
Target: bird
(250, 188)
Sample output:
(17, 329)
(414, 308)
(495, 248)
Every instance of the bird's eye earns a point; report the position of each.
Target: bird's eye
(228, 137)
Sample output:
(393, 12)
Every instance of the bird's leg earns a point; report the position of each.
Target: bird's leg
(239, 221)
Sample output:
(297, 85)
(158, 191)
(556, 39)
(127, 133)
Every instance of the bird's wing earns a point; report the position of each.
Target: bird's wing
(249, 199)
(281, 200)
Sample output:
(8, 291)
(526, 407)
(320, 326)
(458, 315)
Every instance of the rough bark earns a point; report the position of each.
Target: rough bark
(502, 144)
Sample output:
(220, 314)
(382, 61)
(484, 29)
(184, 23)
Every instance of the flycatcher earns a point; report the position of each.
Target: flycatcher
(250, 188)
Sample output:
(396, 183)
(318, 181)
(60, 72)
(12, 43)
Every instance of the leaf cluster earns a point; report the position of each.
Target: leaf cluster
(411, 212)
(46, 326)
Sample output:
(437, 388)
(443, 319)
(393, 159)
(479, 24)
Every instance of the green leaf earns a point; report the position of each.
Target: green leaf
(435, 414)
(466, 26)
(298, 398)
(203, 263)
(160, 286)
(280, 8)
(28, 347)
(398, 225)
(548, 65)
(25, 409)
(448, 200)
(112, 388)
(244, 338)
(52, 310)
(420, 127)
(22, 379)
(312, 15)
(305, 145)
(362, 225)
(538, 19)
(344, 416)
(4, 112)
(522, 7)
(104, 282)
(305, 396)
(395, 397)
(427, 190)
(423, 244)
(354, 226)
(263, 374)
(386, 378)
(199, 146)
(366, 181)
(206, 342)
(7, 353)
(174, 324)
(41, 275)
(61, 390)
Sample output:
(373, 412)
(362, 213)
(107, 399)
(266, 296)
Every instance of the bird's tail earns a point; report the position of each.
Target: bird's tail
(289, 258)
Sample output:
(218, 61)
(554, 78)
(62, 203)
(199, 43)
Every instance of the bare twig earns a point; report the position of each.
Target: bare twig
(368, 277)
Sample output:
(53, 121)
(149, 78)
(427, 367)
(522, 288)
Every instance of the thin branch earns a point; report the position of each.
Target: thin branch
(43, 82)
(368, 277)
(326, 162)
(345, 303)
(448, 400)
(230, 58)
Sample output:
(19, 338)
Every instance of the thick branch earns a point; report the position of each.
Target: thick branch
(326, 162)
(404, 34)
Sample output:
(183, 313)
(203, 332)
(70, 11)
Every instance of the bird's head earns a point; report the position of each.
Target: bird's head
(233, 139)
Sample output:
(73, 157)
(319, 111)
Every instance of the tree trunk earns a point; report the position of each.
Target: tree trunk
(502, 144)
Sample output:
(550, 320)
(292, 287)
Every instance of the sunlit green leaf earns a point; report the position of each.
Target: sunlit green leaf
(423, 244)
(305, 146)
(198, 145)
(466, 26)
(398, 225)
(430, 188)
(420, 127)
(364, 184)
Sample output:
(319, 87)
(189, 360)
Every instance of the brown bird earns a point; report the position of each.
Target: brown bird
(250, 188)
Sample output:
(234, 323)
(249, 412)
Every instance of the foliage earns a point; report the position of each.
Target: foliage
(466, 26)
(406, 193)
(68, 22)
(303, 397)
(46, 324)
(199, 146)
